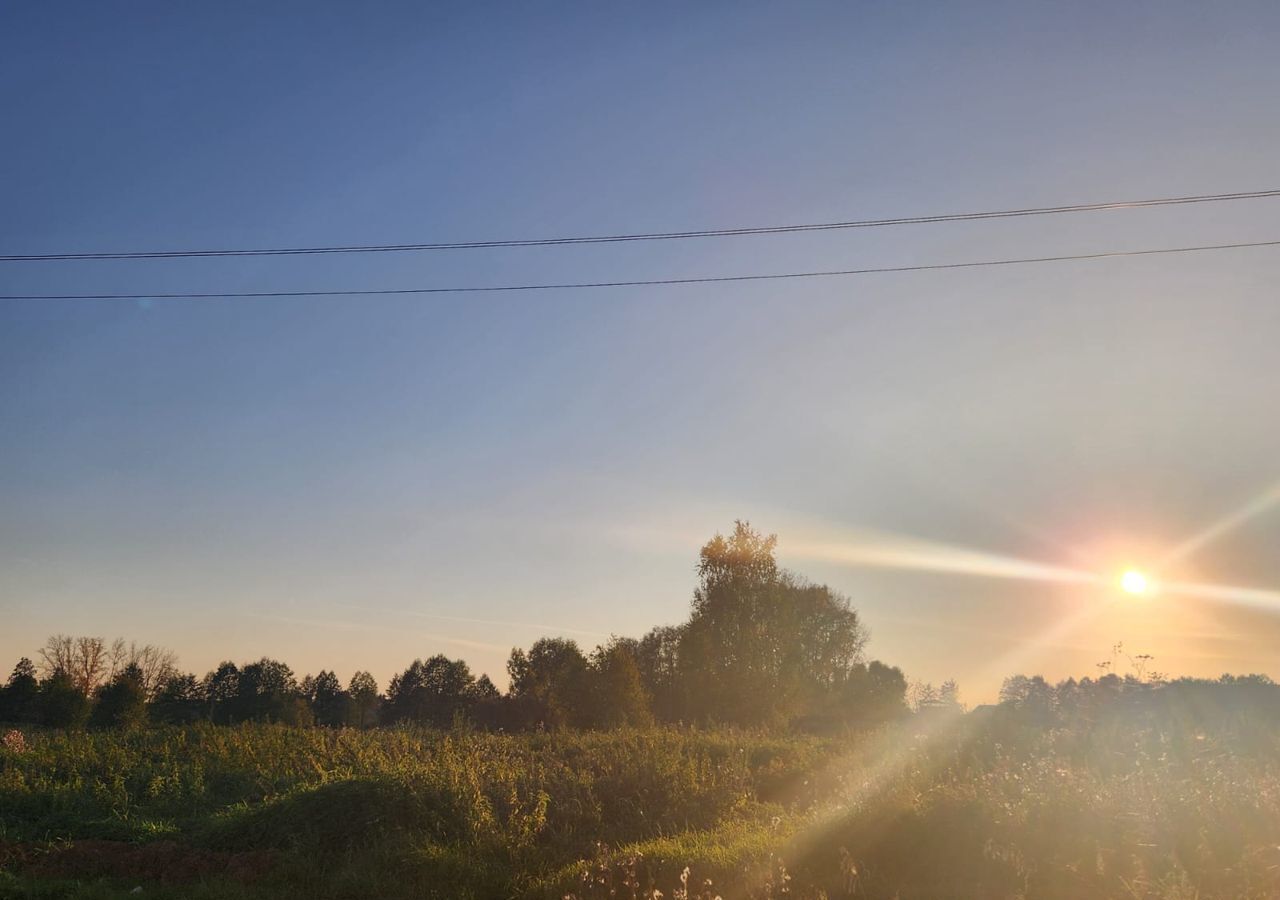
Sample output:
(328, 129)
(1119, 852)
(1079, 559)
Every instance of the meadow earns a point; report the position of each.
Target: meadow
(990, 804)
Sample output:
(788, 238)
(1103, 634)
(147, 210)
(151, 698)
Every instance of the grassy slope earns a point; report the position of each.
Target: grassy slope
(959, 809)
(395, 812)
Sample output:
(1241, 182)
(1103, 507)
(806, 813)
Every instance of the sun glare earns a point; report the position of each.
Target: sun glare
(1134, 582)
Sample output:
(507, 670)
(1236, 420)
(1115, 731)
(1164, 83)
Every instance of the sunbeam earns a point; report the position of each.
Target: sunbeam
(893, 552)
(1255, 507)
(1258, 598)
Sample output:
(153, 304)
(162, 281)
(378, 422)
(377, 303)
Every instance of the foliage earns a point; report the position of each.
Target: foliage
(20, 695)
(61, 703)
(123, 702)
(1164, 791)
(431, 692)
(390, 812)
(549, 683)
(618, 694)
(762, 646)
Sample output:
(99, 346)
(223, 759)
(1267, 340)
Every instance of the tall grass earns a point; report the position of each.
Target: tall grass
(956, 808)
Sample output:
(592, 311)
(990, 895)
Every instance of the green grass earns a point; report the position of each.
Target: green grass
(958, 809)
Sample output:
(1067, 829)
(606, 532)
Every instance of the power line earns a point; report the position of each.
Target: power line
(653, 236)
(648, 282)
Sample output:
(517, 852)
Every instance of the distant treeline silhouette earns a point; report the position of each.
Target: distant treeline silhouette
(762, 647)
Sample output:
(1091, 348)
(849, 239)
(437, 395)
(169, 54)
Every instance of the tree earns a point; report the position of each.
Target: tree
(618, 694)
(19, 695)
(657, 657)
(122, 702)
(549, 683)
(220, 689)
(875, 693)
(266, 692)
(179, 700)
(82, 660)
(153, 664)
(763, 646)
(484, 689)
(949, 696)
(921, 695)
(61, 702)
(329, 702)
(1032, 699)
(363, 690)
(431, 692)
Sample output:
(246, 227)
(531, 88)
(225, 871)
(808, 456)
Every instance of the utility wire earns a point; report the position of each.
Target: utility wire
(648, 282)
(653, 236)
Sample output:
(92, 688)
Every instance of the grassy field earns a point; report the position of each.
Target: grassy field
(953, 807)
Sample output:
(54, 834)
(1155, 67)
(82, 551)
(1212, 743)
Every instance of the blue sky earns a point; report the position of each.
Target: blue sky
(353, 482)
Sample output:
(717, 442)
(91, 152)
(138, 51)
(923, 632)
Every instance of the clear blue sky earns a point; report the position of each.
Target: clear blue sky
(350, 482)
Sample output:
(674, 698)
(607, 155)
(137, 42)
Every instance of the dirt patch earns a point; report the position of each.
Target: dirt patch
(164, 861)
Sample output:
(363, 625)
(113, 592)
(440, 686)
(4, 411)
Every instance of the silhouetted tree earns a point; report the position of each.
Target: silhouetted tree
(433, 692)
(484, 689)
(61, 702)
(266, 692)
(762, 645)
(152, 664)
(363, 690)
(549, 683)
(330, 704)
(122, 702)
(83, 661)
(220, 689)
(1031, 699)
(873, 694)
(887, 689)
(19, 696)
(179, 700)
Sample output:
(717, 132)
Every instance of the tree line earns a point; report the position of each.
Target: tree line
(761, 647)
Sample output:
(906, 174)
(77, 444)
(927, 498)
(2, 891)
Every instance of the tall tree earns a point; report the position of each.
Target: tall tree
(763, 646)
(364, 699)
(122, 702)
(180, 699)
(549, 683)
(61, 702)
(20, 693)
(431, 692)
(618, 695)
(329, 702)
(267, 692)
(152, 664)
(220, 689)
(83, 660)
(658, 659)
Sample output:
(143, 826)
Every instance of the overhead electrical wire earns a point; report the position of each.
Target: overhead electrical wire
(646, 282)
(649, 236)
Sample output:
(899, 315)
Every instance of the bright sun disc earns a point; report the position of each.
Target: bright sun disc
(1134, 582)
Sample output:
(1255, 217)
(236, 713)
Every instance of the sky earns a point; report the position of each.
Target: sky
(354, 482)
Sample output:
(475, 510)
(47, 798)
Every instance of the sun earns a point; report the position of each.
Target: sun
(1134, 582)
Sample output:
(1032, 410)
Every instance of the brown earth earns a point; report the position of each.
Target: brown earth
(163, 861)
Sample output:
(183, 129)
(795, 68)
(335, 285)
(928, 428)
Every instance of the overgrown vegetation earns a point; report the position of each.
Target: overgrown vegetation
(1156, 793)
(747, 753)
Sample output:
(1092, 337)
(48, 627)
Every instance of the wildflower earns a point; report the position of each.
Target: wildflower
(14, 741)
